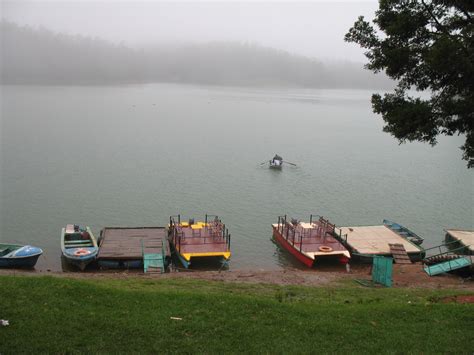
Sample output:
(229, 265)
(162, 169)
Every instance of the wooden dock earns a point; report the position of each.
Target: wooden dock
(367, 241)
(125, 246)
(463, 237)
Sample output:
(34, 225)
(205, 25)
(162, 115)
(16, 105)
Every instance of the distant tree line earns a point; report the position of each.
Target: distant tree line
(40, 56)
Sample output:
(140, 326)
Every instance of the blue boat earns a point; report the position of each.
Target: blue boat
(13, 255)
(403, 232)
(78, 245)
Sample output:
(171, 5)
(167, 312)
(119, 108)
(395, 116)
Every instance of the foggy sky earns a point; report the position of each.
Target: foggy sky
(314, 29)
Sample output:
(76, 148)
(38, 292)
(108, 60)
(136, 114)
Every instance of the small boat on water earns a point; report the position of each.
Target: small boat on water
(192, 240)
(310, 242)
(403, 232)
(78, 245)
(14, 255)
(276, 162)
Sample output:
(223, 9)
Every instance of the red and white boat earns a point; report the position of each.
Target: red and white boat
(310, 241)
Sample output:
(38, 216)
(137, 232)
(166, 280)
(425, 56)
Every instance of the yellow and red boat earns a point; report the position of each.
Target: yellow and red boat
(202, 239)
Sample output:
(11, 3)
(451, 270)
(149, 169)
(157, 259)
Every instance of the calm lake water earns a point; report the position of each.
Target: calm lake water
(133, 155)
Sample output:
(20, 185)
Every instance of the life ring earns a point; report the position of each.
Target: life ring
(325, 249)
(81, 252)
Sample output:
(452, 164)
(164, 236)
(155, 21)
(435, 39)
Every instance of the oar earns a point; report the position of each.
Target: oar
(289, 163)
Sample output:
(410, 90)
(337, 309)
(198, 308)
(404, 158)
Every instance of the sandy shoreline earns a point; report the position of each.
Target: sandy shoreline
(403, 276)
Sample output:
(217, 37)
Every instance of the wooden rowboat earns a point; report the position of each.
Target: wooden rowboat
(403, 232)
(276, 162)
(78, 246)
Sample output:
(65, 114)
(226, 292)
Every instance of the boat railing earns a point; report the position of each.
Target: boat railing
(339, 235)
(313, 217)
(215, 232)
(203, 240)
(326, 224)
(298, 236)
(442, 248)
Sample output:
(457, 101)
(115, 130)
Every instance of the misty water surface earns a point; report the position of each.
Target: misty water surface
(133, 155)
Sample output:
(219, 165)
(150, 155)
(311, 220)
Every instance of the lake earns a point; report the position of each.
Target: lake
(134, 155)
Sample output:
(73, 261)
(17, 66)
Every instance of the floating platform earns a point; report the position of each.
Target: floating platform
(309, 242)
(463, 237)
(203, 239)
(126, 247)
(364, 242)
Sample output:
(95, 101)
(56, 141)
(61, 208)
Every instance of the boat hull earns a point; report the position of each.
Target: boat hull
(368, 258)
(199, 242)
(288, 247)
(80, 263)
(19, 256)
(183, 261)
(78, 252)
(26, 262)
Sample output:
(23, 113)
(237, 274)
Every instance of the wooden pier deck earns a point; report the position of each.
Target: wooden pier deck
(464, 237)
(129, 243)
(376, 240)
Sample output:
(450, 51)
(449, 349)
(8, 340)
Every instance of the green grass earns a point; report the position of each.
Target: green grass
(59, 315)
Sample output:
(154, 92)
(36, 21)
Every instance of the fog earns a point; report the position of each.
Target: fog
(236, 43)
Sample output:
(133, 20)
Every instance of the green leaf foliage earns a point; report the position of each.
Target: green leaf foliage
(426, 46)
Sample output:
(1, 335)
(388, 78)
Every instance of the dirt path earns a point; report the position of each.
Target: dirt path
(403, 276)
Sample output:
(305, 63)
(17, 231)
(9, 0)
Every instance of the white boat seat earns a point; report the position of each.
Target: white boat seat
(76, 241)
(5, 251)
(79, 245)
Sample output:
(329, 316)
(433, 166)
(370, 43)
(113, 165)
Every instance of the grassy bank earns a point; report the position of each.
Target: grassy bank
(58, 315)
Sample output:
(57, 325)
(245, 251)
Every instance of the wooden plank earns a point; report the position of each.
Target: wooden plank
(399, 254)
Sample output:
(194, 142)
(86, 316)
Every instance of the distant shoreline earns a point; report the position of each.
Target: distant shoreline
(196, 84)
